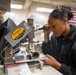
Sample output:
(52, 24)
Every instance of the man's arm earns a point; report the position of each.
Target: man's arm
(47, 47)
(67, 70)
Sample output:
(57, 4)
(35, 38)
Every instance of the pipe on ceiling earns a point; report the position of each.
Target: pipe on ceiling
(27, 4)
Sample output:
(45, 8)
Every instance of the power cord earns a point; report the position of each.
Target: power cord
(3, 51)
(14, 51)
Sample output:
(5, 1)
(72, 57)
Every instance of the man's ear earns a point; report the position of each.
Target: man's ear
(64, 21)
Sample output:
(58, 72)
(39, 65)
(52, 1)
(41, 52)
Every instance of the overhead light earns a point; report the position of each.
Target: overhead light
(41, 9)
(16, 6)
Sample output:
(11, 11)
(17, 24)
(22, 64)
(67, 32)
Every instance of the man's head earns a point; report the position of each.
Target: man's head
(58, 21)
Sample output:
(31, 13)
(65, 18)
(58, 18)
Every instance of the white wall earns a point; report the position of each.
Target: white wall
(39, 17)
(16, 15)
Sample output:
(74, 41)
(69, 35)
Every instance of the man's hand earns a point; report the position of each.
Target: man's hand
(46, 32)
(53, 62)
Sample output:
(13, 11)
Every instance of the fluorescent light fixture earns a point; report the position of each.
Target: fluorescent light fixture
(41, 9)
(16, 6)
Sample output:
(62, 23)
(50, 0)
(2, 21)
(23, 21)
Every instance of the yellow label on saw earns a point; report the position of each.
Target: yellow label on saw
(18, 33)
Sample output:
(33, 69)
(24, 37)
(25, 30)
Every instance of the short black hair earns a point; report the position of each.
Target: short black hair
(60, 13)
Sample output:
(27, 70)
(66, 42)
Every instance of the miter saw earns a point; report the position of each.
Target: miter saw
(18, 53)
